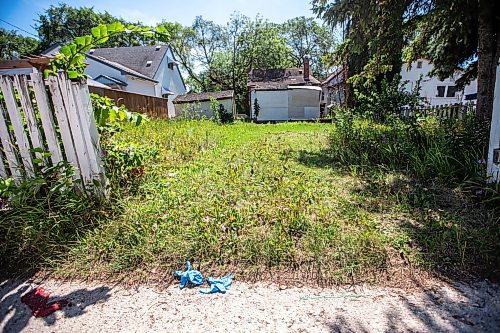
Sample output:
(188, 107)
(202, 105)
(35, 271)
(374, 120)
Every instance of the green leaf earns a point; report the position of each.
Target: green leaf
(96, 32)
(80, 41)
(65, 50)
(73, 74)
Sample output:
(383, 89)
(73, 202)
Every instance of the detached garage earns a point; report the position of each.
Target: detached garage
(284, 94)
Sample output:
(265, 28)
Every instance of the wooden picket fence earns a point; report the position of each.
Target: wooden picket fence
(53, 116)
(446, 111)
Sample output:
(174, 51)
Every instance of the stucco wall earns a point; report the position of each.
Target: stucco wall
(429, 84)
(494, 169)
(203, 108)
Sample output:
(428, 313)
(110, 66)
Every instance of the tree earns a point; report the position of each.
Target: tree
(219, 57)
(63, 23)
(455, 34)
(14, 45)
(304, 36)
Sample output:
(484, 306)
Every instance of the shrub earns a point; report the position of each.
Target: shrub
(111, 118)
(427, 148)
(124, 161)
(40, 217)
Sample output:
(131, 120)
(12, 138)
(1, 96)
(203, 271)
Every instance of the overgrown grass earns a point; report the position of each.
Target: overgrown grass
(256, 198)
(253, 197)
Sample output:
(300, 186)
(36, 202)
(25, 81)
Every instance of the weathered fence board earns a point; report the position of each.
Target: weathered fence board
(3, 171)
(8, 147)
(21, 86)
(155, 107)
(452, 111)
(17, 123)
(46, 117)
(60, 122)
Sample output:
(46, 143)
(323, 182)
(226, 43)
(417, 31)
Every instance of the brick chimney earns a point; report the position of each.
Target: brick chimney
(307, 68)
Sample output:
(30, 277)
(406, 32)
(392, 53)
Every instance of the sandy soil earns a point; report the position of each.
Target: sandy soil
(252, 308)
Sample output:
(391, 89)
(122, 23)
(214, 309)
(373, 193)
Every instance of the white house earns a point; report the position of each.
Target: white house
(284, 94)
(435, 91)
(146, 70)
(200, 104)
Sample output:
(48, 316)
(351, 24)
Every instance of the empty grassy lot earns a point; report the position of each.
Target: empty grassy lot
(266, 201)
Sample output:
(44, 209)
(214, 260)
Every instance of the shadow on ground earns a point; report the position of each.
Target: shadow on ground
(14, 315)
(465, 308)
(451, 235)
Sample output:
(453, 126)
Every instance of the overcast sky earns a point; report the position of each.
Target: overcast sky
(23, 12)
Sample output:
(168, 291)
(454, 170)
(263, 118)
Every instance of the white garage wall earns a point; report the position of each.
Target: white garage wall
(273, 105)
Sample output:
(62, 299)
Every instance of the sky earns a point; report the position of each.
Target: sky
(22, 13)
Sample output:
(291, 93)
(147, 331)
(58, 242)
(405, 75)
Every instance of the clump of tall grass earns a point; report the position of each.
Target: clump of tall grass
(427, 148)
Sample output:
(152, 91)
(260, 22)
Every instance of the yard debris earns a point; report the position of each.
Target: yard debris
(37, 299)
(193, 277)
(218, 285)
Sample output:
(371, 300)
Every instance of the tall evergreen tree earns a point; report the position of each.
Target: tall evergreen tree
(455, 34)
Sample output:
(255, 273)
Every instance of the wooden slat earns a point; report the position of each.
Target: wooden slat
(76, 128)
(21, 85)
(3, 171)
(8, 147)
(47, 118)
(81, 113)
(17, 124)
(62, 121)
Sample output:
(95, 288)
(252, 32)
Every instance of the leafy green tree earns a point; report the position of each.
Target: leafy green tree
(13, 45)
(455, 34)
(305, 36)
(63, 23)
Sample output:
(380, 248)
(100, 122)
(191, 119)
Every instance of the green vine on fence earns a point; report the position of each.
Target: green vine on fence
(71, 57)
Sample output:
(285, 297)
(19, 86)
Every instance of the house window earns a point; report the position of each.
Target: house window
(440, 91)
(171, 65)
(419, 64)
(452, 90)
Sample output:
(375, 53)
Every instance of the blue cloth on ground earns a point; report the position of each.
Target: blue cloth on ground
(218, 285)
(191, 276)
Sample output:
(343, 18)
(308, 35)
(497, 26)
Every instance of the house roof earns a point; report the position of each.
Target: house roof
(120, 67)
(135, 58)
(202, 97)
(278, 79)
(336, 74)
(110, 79)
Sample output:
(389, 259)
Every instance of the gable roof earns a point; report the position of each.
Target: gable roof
(279, 79)
(202, 97)
(135, 58)
(120, 67)
(339, 76)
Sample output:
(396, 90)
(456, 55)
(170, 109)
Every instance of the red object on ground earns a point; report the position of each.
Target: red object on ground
(37, 299)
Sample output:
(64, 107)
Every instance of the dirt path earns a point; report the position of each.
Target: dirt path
(251, 308)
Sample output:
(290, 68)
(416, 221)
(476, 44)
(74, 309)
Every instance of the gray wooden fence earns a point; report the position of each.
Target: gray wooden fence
(53, 116)
(446, 111)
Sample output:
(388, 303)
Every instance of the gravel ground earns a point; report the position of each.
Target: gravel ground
(255, 307)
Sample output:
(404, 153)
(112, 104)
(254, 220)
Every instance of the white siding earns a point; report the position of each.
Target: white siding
(282, 105)
(273, 104)
(429, 84)
(494, 169)
(170, 79)
(134, 84)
